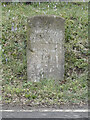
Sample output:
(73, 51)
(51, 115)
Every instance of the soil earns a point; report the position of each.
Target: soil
(28, 107)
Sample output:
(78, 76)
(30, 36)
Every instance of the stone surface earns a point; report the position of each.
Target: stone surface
(45, 49)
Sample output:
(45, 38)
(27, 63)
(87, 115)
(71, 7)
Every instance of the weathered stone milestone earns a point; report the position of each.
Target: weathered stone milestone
(45, 49)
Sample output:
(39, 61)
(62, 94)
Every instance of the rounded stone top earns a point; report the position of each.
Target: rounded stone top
(45, 17)
(46, 21)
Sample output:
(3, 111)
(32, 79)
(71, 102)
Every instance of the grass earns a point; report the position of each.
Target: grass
(47, 92)
(16, 89)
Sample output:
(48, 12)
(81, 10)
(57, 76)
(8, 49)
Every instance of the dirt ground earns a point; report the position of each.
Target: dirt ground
(28, 107)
